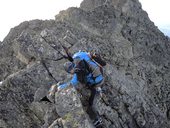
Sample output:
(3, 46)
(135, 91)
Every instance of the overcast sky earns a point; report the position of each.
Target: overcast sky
(13, 12)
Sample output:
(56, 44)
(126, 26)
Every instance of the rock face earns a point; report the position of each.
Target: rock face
(70, 109)
(137, 72)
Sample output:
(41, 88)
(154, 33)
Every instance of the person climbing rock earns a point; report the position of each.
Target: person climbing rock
(88, 72)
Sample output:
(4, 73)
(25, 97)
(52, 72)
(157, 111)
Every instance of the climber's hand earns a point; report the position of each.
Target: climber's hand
(59, 88)
(63, 86)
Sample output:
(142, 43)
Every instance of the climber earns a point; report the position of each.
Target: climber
(88, 72)
(84, 70)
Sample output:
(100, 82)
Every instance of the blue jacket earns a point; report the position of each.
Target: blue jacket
(90, 79)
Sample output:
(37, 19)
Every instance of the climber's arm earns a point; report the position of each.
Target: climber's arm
(73, 82)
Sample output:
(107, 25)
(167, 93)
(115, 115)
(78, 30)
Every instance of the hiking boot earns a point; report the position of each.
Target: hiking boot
(98, 122)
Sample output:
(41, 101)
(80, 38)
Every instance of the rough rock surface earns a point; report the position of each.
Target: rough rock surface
(70, 109)
(137, 74)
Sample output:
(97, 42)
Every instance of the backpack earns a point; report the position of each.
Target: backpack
(82, 69)
(97, 58)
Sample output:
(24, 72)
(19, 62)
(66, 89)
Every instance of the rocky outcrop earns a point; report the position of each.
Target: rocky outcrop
(70, 109)
(137, 72)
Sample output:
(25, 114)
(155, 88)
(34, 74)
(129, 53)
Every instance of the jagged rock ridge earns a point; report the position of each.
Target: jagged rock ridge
(137, 74)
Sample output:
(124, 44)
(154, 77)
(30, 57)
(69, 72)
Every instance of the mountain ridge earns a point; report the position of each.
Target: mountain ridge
(137, 71)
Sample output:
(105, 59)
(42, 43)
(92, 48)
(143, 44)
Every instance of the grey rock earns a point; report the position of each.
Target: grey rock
(70, 109)
(3, 124)
(136, 88)
(56, 124)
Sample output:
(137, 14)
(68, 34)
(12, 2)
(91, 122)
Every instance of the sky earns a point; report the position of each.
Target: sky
(13, 12)
(158, 11)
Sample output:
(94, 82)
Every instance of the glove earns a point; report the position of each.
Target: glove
(63, 86)
(59, 88)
